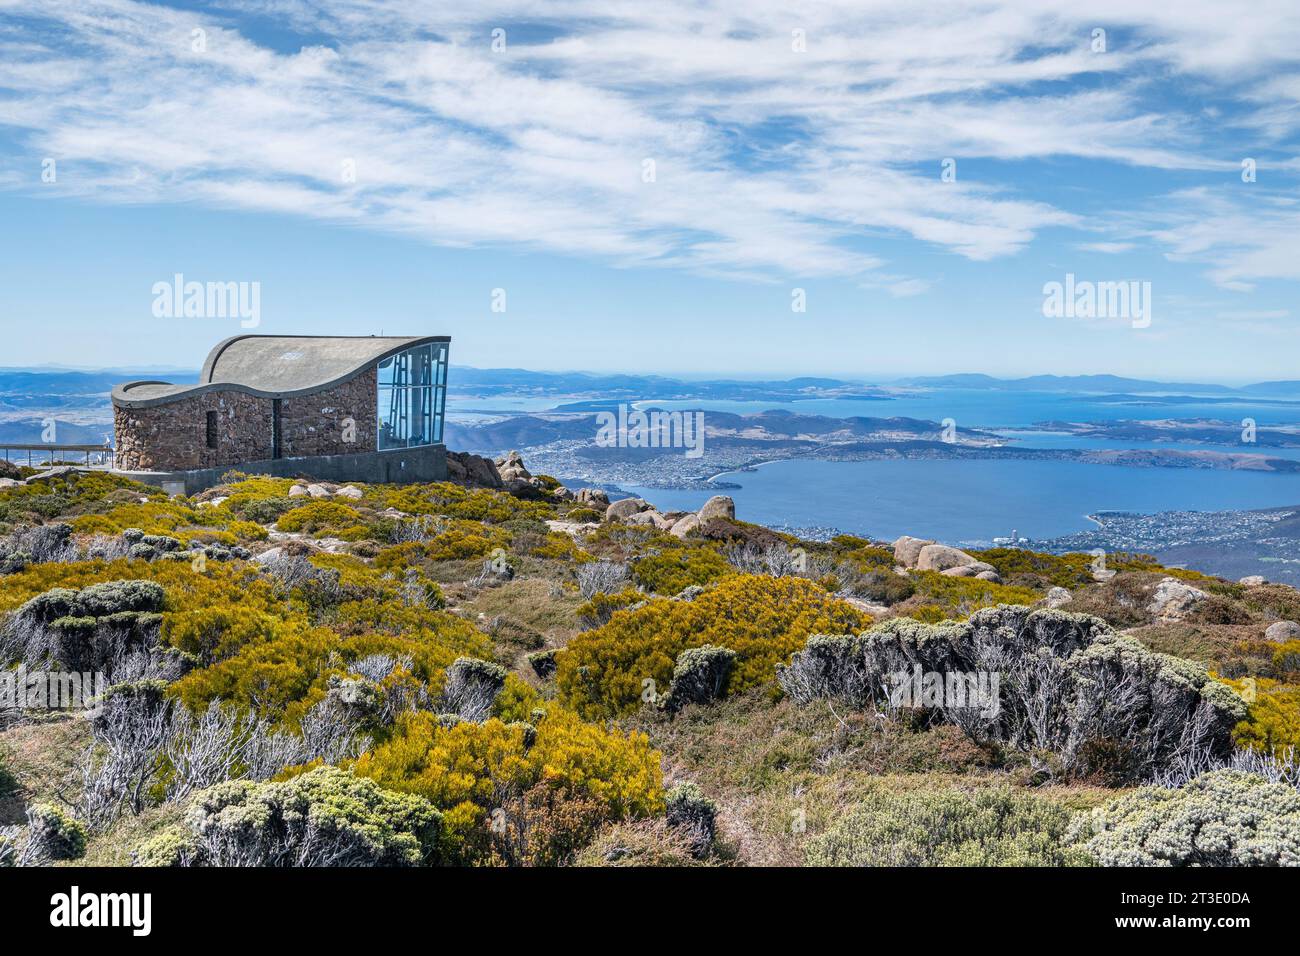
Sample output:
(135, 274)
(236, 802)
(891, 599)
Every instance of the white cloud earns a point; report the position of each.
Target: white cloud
(1242, 234)
(1108, 248)
(767, 161)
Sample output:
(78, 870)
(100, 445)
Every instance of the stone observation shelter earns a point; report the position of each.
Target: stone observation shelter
(331, 407)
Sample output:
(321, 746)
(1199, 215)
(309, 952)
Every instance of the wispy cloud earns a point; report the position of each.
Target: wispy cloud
(720, 136)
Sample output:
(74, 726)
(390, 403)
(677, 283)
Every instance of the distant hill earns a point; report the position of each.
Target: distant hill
(488, 382)
(1273, 388)
(1074, 383)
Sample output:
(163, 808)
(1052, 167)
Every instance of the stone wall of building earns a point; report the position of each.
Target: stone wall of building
(318, 424)
(174, 436)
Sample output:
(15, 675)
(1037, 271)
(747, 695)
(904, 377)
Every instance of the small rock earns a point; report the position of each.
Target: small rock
(350, 491)
(684, 526)
(1282, 631)
(940, 557)
(511, 467)
(1173, 599)
(719, 506)
(989, 575)
(1058, 596)
(907, 549)
(866, 607)
(625, 508)
(593, 498)
(297, 491)
(649, 518)
(318, 491)
(1253, 580)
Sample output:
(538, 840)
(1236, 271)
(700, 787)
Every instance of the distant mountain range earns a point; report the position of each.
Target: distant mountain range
(487, 382)
(1096, 383)
(81, 396)
(646, 387)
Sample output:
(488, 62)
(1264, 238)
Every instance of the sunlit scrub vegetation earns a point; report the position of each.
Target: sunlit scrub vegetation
(434, 674)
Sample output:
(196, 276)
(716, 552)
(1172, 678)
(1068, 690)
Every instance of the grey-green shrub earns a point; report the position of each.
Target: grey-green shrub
(325, 817)
(699, 676)
(688, 811)
(990, 827)
(471, 688)
(52, 834)
(1069, 688)
(1222, 818)
(98, 628)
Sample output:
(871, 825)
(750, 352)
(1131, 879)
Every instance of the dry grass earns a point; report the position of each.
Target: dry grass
(114, 846)
(41, 758)
(532, 603)
(780, 773)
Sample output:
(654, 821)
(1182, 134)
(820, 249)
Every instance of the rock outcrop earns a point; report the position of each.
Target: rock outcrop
(907, 549)
(922, 554)
(719, 506)
(466, 469)
(684, 525)
(941, 557)
(1057, 597)
(624, 508)
(1173, 599)
(594, 498)
(638, 511)
(1282, 631)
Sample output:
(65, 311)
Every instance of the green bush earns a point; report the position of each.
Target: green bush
(764, 620)
(699, 675)
(1068, 686)
(326, 817)
(991, 827)
(1223, 818)
(54, 834)
(674, 569)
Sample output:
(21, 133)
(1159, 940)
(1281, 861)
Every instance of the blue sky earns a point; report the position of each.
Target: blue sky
(791, 149)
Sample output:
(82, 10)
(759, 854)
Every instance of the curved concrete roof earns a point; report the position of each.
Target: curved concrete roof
(275, 366)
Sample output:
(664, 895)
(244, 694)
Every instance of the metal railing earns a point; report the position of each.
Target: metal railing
(95, 456)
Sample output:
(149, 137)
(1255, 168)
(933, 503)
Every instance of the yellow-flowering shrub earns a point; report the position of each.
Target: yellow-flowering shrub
(471, 771)
(455, 501)
(457, 540)
(215, 633)
(153, 517)
(673, 569)
(960, 597)
(1273, 722)
(318, 516)
(285, 676)
(764, 620)
(558, 546)
(221, 582)
(1286, 660)
(247, 530)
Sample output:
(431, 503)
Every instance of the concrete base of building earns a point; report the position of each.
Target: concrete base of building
(396, 466)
